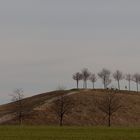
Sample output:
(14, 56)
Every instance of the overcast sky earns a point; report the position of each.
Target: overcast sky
(43, 42)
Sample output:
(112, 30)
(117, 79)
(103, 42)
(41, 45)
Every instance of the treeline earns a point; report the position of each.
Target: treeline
(106, 76)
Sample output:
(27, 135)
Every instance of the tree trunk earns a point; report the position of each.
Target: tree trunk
(93, 85)
(21, 121)
(109, 120)
(77, 84)
(104, 85)
(137, 87)
(118, 84)
(129, 85)
(85, 84)
(61, 120)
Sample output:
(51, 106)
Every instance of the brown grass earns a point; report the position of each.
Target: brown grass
(84, 112)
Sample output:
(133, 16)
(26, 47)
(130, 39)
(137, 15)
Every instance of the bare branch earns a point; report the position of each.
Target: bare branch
(118, 75)
(136, 79)
(109, 104)
(17, 98)
(77, 77)
(61, 107)
(93, 79)
(85, 77)
(129, 78)
(105, 77)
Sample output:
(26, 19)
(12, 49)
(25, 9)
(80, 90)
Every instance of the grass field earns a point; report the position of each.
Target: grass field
(67, 133)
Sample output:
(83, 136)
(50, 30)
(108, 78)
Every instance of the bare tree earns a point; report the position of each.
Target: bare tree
(129, 78)
(61, 107)
(77, 76)
(85, 77)
(93, 79)
(136, 79)
(118, 75)
(17, 98)
(109, 104)
(105, 76)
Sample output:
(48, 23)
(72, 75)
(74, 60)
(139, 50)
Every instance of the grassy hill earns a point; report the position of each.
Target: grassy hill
(84, 113)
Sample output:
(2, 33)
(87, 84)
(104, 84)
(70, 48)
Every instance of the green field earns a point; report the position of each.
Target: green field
(67, 133)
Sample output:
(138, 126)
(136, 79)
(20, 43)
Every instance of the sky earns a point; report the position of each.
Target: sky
(43, 42)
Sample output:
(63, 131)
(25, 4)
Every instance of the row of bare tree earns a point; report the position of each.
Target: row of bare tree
(109, 104)
(105, 75)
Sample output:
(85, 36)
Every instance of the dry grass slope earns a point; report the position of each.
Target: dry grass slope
(84, 112)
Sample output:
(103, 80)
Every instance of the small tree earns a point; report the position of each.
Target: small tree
(109, 104)
(105, 77)
(61, 107)
(85, 77)
(93, 79)
(136, 79)
(118, 75)
(77, 77)
(129, 78)
(17, 98)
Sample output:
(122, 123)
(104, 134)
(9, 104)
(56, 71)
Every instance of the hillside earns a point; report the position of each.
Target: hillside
(84, 112)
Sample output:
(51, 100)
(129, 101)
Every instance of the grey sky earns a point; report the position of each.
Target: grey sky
(43, 42)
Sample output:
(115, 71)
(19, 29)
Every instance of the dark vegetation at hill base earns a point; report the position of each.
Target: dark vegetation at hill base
(37, 110)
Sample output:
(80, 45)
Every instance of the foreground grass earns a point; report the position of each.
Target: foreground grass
(67, 133)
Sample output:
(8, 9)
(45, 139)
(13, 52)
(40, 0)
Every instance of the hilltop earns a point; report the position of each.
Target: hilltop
(39, 111)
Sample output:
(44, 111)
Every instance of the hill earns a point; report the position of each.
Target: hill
(84, 113)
